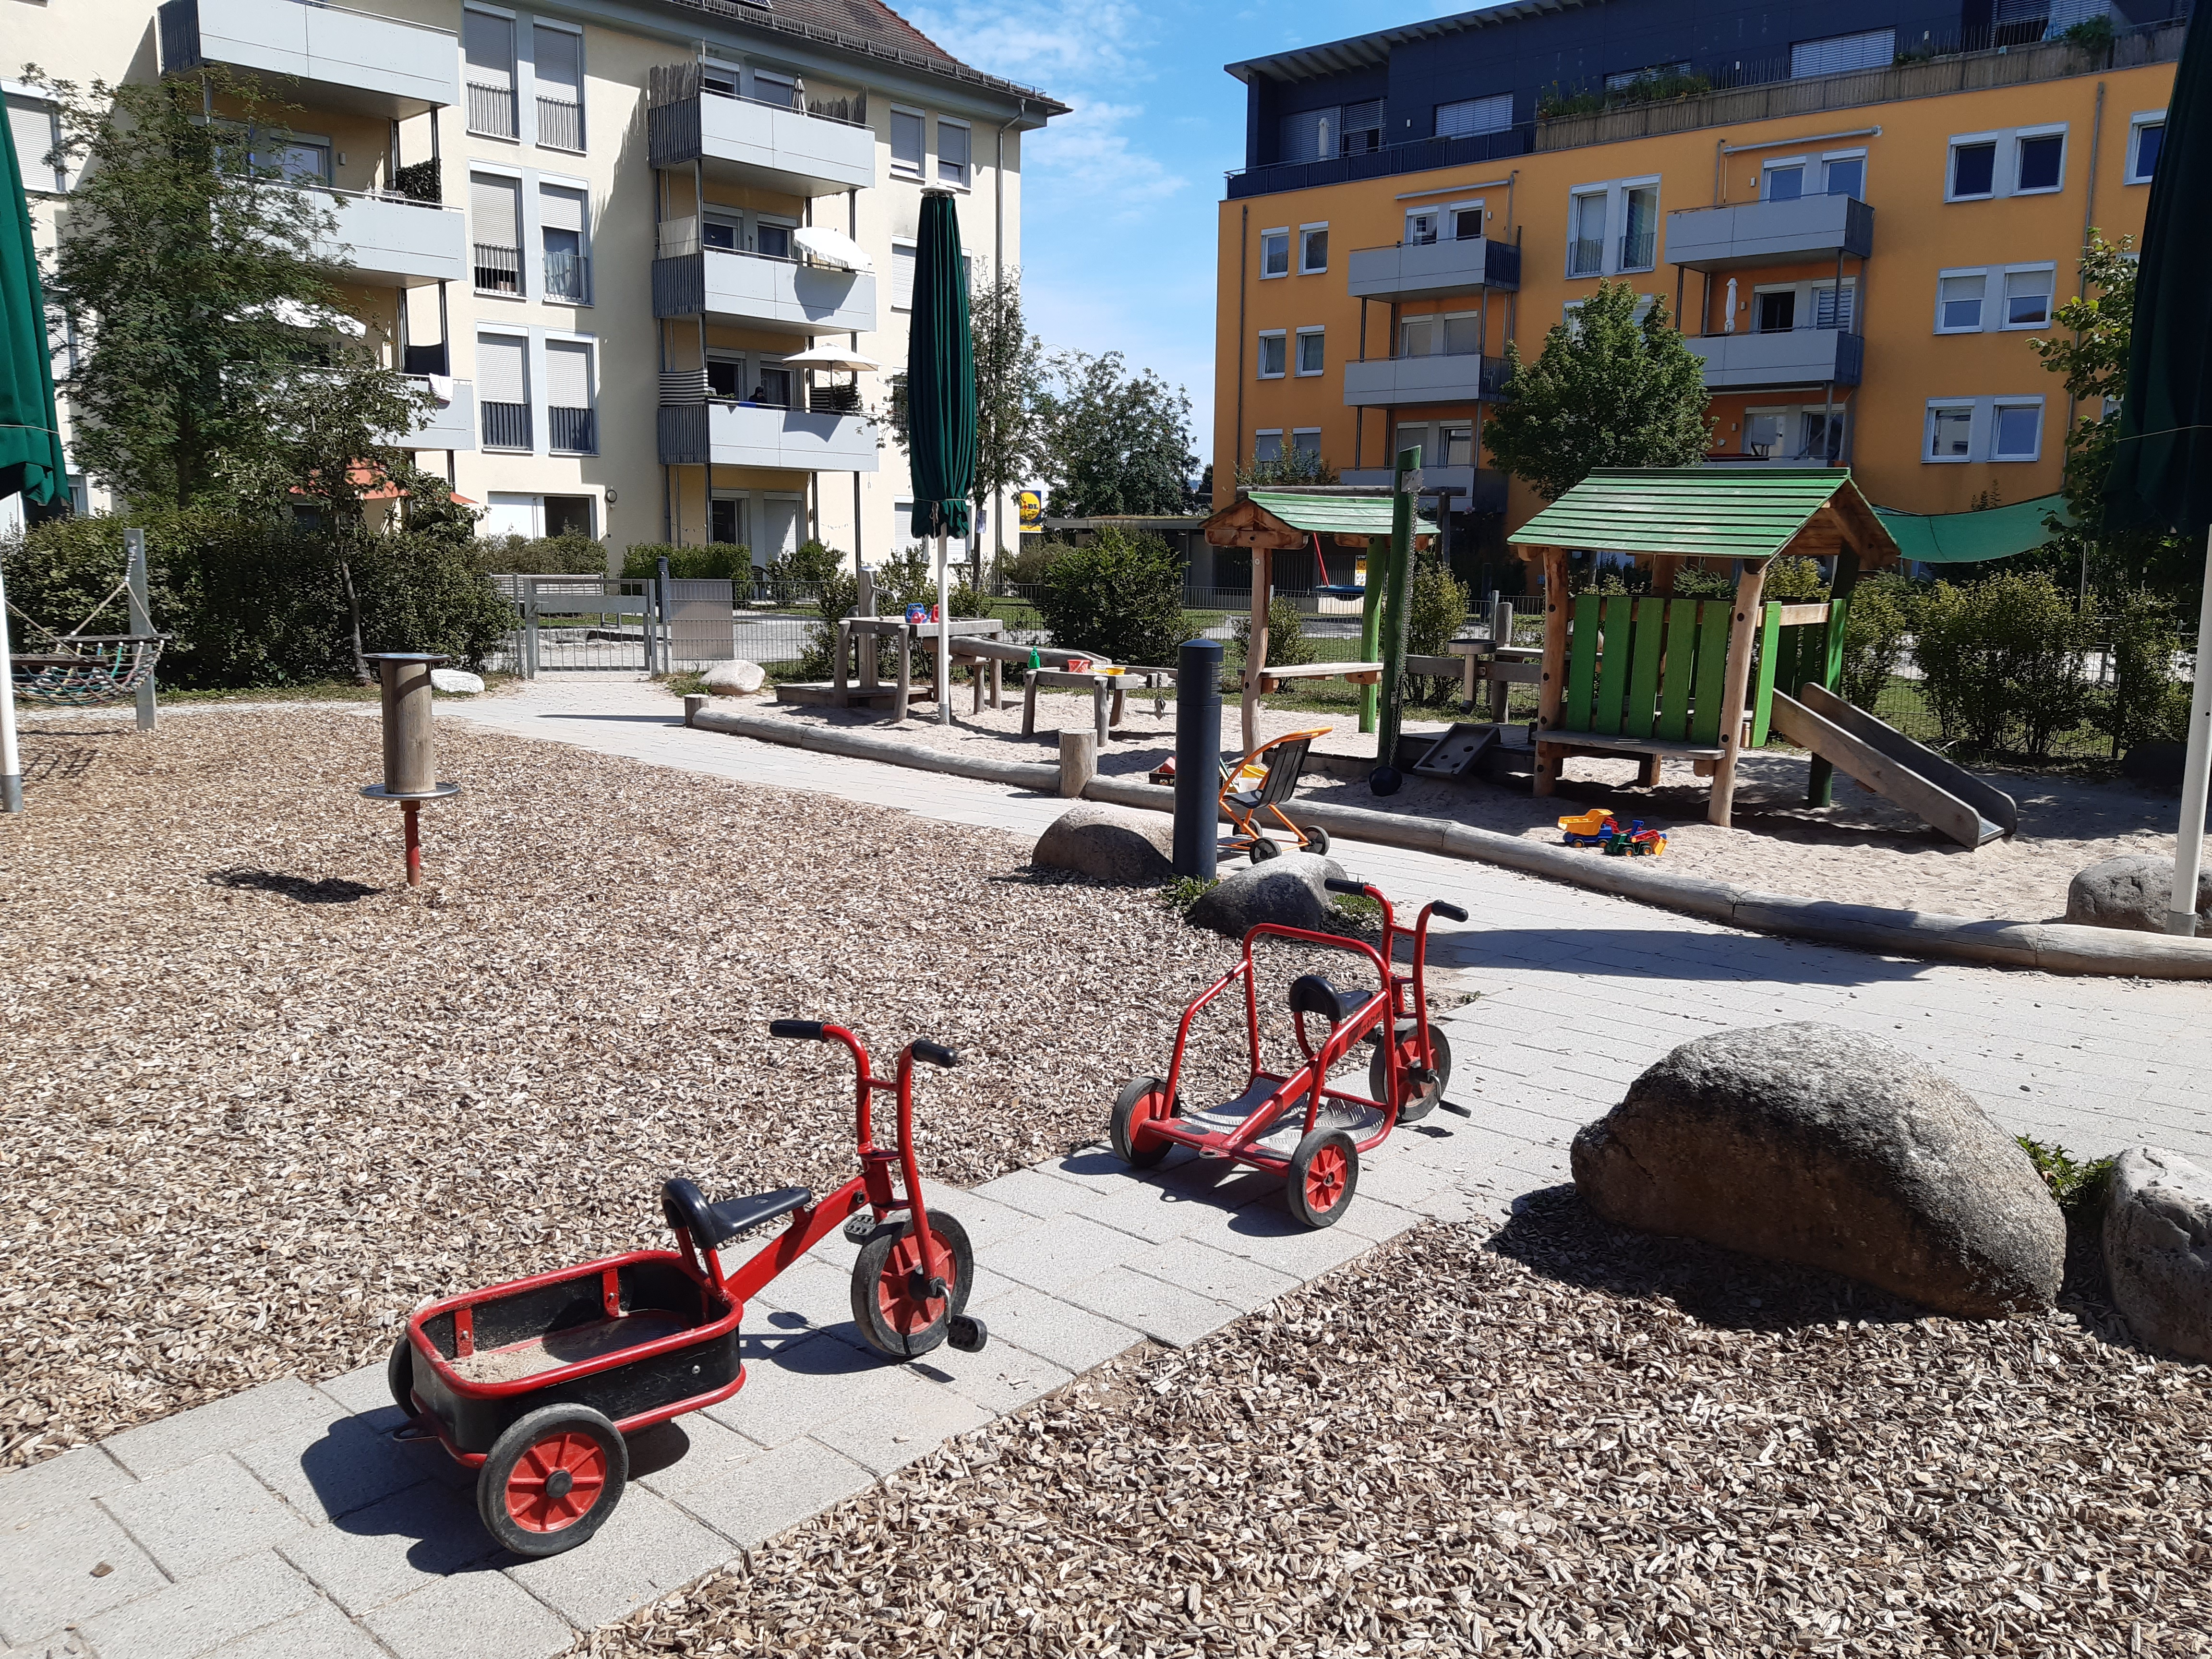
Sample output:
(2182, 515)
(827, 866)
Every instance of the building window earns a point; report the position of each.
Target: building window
(1974, 170)
(2042, 162)
(568, 254)
(1845, 175)
(1272, 346)
(1274, 253)
(726, 520)
(1586, 234)
(2017, 434)
(1465, 219)
(1268, 446)
(1959, 301)
(726, 376)
(1639, 241)
(568, 515)
(503, 390)
(1774, 311)
(1839, 54)
(570, 428)
(902, 256)
(2146, 136)
(952, 147)
(2018, 162)
(1454, 334)
(2027, 297)
(1363, 127)
(908, 126)
(1306, 440)
(1312, 135)
(1421, 225)
(495, 225)
(1467, 117)
(557, 66)
(1950, 432)
(488, 46)
(31, 124)
(1312, 356)
(1313, 249)
(1783, 181)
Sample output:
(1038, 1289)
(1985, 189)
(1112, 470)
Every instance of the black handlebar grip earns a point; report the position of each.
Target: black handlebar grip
(936, 1054)
(1450, 910)
(808, 1030)
(1337, 885)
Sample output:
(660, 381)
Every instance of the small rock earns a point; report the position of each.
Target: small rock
(736, 678)
(1810, 1143)
(457, 681)
(2132, 892)
(1109, 843)
(1285, 890)
(2158, 1250)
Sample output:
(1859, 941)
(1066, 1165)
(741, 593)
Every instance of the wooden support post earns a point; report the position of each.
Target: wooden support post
(1743, 625)
(1079, 762)
(903, 640)
(976, 684)
(838, 683)
(997, 689)
(1663, 572)
(1256, 651)
(1371, 619)
(1501, 635)
(1820, 785)
(1404, 483)
(1100, 697)
(1552, 694)
(1029, 704)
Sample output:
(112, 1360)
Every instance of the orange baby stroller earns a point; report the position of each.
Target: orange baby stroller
(1262, 781)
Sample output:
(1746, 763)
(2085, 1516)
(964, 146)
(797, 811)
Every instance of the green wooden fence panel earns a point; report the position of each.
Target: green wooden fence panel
(1713, 618)
(1613, 664)
(1681, 667)
(1642, 710)
(1770, 659)
(1582, 663)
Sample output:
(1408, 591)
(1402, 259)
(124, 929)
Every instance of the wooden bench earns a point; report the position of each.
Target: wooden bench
(1359, 673)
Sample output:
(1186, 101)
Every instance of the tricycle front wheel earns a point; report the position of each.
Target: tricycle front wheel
(552, 1479)
(897, 1302)
(1382, 1073)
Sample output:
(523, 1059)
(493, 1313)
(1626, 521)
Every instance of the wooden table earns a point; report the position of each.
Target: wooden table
(868, 633)
(1108, 692)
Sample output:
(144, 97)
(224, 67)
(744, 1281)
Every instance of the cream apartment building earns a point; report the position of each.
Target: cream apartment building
(601, 231)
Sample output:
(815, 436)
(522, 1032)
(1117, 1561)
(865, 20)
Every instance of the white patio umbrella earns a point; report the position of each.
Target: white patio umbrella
(828, 356)
(831, 247)
(1727, 322)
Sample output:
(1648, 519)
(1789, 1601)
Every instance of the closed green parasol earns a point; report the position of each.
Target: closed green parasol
(941, 401)
(31, 463)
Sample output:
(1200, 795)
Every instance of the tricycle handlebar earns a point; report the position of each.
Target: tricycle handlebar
(936, 1054)
(1453, 911)
(807, 1031)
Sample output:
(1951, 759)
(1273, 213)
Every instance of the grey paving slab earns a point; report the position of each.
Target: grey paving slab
(197, 1517)
(471, 1615)
(776, 1491)
(911, 1423)
(818, 1289)
(376, 1556)
(350, 1463)
(361, 1390)
(190, 1618)
(804, 1386)
(1166, 1313)
(75, 1477)
(1055, 1253)
(1002, 1378)
(1036, 1193)
(985, 1222)
(58, 1644)
(173, 1442)
(321, 1632)
(646, 1549)
(60, 1568)
(1271, 1238)
(1373, 1219)
(1151, 1210)
(688, 1452)
(1215, 1274)
(1067, 1336)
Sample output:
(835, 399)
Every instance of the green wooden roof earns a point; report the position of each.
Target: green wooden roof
(1701, 512)
(1337, 515)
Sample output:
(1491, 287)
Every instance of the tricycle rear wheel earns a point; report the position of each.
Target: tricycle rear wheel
(1143, 1099)
(1381, 1068)
(1324, 1175)
(399, 1374)
(895, 1319)
(552, 1479)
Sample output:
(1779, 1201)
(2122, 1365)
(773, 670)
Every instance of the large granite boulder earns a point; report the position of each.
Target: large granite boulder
(456, 681)
(1285, 890)
(735, 677)
(2158, 1250)
(1810, 1143)
(1109, 843)
(2132, 891)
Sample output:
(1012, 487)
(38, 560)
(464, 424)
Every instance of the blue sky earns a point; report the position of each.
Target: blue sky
(1120, 199)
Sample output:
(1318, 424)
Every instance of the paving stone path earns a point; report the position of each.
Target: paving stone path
(284, 1523)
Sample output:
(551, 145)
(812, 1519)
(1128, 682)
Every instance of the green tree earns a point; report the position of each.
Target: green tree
(1606, 390)
(1120, 595)
(1292, 467)
(218, 364)
(1437, 606)
(1119, 443)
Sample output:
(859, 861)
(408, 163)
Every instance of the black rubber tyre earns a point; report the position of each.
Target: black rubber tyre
(399, 1374)
(552, 1479)
(1324, 1175)
(1137, 1150)
(1263, 848)
(1385, 779)
(1317, 840)
(1378, 1079)
(894, 1322)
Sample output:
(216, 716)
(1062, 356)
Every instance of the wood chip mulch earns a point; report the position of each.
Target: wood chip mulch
(261, 1099)
(1554, 1440)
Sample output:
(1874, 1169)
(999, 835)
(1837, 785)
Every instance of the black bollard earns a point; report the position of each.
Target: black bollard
(1197, 758)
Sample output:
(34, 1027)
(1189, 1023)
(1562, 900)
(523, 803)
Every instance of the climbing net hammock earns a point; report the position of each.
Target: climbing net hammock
(82, 669)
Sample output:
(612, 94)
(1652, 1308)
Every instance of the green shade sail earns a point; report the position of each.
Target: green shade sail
(1995, 532)
(940, 376)
(30, 433)
(1701, 511)
(1331, 516)
(2162, 472)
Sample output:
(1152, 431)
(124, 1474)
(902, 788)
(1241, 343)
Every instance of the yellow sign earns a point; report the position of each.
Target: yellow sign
(1032, 506)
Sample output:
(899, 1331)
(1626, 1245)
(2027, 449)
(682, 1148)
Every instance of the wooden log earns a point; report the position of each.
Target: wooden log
(1255, 649)
(1029, 704)
(1742, 621)
(1079, 762)
(1552, 690)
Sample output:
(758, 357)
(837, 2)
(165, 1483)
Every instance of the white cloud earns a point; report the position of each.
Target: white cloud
(1092, 152)
(1061, 47)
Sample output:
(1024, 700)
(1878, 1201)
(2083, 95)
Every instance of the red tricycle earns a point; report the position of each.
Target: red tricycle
(1297, 1124)
(535, 1382)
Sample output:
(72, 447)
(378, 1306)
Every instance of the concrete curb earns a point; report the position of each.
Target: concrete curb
(2047, 947)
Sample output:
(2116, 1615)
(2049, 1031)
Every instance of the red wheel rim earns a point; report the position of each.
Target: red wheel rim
(896, 1302)
(1325, 1178)
(1148, 1110)
(540, 1499)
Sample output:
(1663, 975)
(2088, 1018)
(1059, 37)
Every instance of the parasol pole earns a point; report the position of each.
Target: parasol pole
(2189, 842)
(11, 765)
(944, 633)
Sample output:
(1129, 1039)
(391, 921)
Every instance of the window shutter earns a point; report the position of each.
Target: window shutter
(902, 276)
(559, 208)
(558, 64)
(1310, 135)
(495, 209)
(906, 141)
(489, 44)
(1469, 116)
(952, 145)
(1839, 53)
(502, 369)
(568, 374)
(31, 125)
(1827, 312)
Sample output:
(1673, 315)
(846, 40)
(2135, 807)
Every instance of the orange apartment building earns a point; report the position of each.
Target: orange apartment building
(1860, 254)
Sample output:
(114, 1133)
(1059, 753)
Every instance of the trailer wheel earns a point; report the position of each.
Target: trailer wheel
(399, 1374)
(1316, 840)
(552, 1479)
(1263, 848)
(1143, 1099)
(1423, 1101)
(1324, 1175)
(898, 1308)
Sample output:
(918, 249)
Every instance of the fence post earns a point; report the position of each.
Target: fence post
(141, 619)
(1197, 758)
(1501, 635)
(661, 621)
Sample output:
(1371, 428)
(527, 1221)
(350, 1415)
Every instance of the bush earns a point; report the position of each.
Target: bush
(1875, 633)
(2146, 703)
(798, 575)
(1287, 644)
(2081, 1189)
(2002, 662)
(1794, 581)
(546, 556)
(1436, 607)
(1121, 596)
(1695, 582)
(728, 561)
(1029, 566)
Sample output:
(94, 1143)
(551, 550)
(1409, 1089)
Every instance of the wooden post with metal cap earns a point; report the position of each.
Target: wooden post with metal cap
(410, 776)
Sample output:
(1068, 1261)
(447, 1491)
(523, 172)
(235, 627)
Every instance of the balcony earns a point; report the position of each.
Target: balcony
(1434, 270)
(451, 425)
(1796, 356)
(797, 152)
(1480, 489)
(397, 241)
(569, 278)
(337, 59)
(1769, 233)
(739, 434)
(572, 431)
(1466, 377)
(756, 291)
(506, 426)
